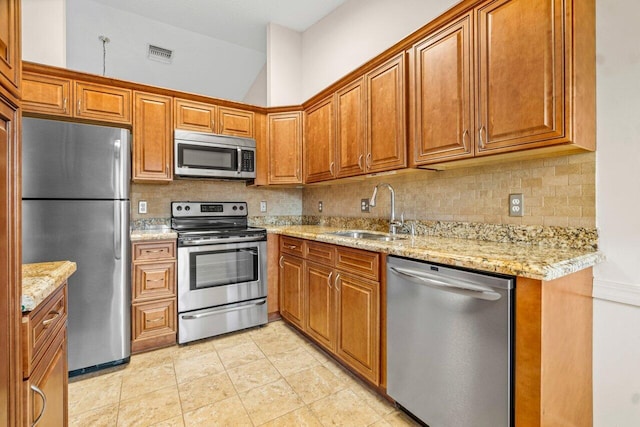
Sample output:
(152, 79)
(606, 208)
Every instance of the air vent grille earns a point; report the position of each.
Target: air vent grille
(160, 54)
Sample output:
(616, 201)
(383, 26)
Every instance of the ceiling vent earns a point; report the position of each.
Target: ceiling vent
(160, 54)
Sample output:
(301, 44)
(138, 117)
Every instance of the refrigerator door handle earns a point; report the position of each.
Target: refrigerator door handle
(117, 232)
(117, 171)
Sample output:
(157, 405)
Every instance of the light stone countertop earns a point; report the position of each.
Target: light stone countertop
(531, 261)
(160, 233)
(42, 279)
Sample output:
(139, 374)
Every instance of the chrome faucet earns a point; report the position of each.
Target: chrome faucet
(394, 224)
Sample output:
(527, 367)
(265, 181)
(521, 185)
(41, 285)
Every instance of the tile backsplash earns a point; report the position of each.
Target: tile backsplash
(558, 191)
(280, 201)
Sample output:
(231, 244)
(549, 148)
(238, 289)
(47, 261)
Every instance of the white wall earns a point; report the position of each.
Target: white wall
(284, 66)
(44, 32)
(257, 93)
(201, 64)
(617, 281)
(356, 32)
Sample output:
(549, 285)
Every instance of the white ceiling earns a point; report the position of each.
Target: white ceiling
(242, 22)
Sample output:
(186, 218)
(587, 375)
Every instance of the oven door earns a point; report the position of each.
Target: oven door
(212, 275)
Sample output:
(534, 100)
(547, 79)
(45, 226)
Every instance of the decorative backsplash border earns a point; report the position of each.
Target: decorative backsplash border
(549, 236)
(149, 223)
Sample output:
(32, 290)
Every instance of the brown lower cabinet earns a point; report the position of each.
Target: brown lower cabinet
(332, 294)
(153, 295)
(45, 378)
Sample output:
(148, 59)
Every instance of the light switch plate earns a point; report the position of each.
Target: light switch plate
(263, 206)
(516, 204)
(142, 207)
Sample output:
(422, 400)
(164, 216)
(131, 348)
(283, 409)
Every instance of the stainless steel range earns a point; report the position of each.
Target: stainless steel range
(222, 283)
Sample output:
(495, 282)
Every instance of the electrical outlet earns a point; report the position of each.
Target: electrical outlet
(142, 207)
(364, 205)
(320, 206)
(263, 206)
(516, 204)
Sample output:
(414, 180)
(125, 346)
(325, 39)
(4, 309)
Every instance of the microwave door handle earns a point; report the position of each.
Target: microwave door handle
(239, 160)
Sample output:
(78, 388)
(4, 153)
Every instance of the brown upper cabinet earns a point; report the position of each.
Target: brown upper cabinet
(360, 128)
(385, 137)
(152, 138)
(443, 93)
(203, 117)
(10, 46)
(51, 95)
(284, 139)
(534, 86)
(319, 142)
(350, 129)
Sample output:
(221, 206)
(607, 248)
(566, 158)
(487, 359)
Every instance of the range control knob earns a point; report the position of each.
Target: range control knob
(187, 208)
(241, 208)
(235, 208)
(179, 208)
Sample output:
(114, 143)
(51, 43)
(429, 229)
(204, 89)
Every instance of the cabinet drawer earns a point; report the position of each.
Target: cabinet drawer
(153, 281)
(359, 262)
(322, 253)
(291, 245)
(165, 249)
(153, 324)
(40, 327)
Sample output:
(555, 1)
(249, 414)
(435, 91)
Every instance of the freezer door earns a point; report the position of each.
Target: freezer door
(94, 234)
(62, 160)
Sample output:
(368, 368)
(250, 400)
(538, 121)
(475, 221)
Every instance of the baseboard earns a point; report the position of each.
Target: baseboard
(618, 292)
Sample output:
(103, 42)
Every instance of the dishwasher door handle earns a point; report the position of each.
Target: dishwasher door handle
(437, 282)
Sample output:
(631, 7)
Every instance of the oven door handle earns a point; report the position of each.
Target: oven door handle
(200, 242)
(225, 310)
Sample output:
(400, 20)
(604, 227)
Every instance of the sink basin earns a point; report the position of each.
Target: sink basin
(367, 235)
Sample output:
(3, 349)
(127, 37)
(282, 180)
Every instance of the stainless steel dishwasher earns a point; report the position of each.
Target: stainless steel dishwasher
(450, 344)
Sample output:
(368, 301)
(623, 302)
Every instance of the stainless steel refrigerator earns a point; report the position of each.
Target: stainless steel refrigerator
(75, 206)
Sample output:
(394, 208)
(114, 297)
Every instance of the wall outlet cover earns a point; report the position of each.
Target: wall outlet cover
(142, 207)
(263, 206)
(516, 204)
(320, 206)
(364, 205)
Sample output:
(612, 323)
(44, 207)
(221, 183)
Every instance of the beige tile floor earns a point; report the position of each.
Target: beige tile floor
(269, 376)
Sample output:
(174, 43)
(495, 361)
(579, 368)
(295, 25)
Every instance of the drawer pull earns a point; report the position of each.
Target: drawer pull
(159, 319)
(48, 322)
(44, 404)
(291, 247)
(153, 251)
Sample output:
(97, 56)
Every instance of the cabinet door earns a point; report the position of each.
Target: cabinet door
(358, 313)
(319, 142)
(198, 116)
(320, 300)
(10, 45)
(520, 74)
(386, 140)
(350, 129)
(235, 122)
(153, 324)
(284, 135)
(100, 102)
(46, 95)
(154, 280)
(443, 117)
(49, 381)
(10, 256)
(152, 138)
(291, 289)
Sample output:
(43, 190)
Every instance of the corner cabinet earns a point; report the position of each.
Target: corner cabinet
(332, 294)
(284, 140)
(45, 371)
(152, 138)
(153, 295)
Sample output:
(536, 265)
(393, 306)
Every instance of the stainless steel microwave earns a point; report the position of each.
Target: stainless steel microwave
(208, 155)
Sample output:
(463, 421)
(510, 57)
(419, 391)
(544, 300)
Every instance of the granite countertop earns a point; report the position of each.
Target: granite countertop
(155, 233)
(517, 259)
(41, 280)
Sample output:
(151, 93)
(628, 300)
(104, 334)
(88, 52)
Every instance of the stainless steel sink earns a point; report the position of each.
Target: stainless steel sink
(367, 235)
